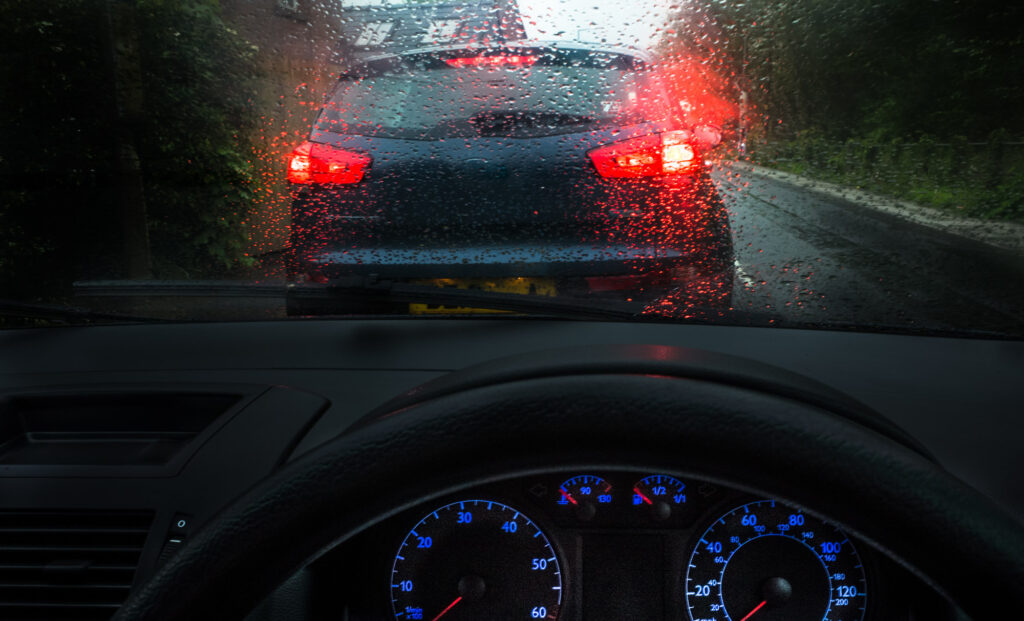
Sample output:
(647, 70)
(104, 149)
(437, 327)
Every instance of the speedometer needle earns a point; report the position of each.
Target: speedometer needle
(452, 605)
(749, 614)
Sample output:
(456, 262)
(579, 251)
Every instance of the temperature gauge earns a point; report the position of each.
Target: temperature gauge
(584, 493)
(659, 493)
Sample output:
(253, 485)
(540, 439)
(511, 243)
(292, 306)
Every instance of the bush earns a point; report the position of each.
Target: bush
(59, 219)
(983, 180)
(199, 79)
(55, 115)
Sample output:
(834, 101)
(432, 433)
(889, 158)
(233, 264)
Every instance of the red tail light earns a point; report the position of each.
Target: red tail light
(312, 162)
(492, 61)
(667, 153)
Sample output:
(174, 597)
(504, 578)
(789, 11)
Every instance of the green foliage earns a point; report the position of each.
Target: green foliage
(199, 83)
(868, 69)
(855, 91)
(981, 180)
(54, 154)
(58, 177)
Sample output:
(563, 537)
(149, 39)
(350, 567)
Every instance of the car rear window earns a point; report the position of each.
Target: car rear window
(513, 94)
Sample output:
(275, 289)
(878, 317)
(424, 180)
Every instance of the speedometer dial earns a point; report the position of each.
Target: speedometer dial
(476, 559)
(766, 561)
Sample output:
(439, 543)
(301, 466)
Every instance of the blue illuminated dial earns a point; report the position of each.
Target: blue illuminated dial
(585, 488)
(659, 488)
(767, 561)
(476, 559)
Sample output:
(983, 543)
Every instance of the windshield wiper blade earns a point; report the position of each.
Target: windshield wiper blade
(365, 288)
(63, 313)
(373, 290)
(179, 288)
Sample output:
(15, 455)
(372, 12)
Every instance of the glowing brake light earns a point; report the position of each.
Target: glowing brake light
(667, 153)
(313, 162)
(492, 61)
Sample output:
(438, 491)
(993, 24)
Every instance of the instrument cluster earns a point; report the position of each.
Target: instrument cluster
(611, 546)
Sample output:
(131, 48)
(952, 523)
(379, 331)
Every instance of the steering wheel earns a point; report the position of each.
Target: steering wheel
(653, 408)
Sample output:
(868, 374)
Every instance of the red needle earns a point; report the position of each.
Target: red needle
(641, 494)
(452, 605)
(749, 614)
(566, 495)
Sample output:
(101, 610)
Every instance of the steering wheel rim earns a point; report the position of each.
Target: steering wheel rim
(766, 444)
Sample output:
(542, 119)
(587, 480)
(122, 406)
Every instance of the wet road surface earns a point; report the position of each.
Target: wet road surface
(811, 257)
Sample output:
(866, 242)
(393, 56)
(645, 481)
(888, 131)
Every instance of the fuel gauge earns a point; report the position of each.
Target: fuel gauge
(659, 494)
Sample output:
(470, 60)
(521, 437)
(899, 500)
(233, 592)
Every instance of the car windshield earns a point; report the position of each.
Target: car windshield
(838, 165)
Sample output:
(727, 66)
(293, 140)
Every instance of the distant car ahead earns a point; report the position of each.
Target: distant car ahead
(532, 168)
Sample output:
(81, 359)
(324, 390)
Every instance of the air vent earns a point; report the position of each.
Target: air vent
(59, 565)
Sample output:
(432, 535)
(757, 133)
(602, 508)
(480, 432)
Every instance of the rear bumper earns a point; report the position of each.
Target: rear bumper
(537, 261)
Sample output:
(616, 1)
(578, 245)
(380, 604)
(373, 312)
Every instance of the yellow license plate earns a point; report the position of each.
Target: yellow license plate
(524, 286)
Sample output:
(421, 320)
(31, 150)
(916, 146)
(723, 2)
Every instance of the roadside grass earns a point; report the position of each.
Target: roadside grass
(978, 180)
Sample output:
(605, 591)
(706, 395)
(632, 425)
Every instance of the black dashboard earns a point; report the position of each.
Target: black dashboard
(120, 443)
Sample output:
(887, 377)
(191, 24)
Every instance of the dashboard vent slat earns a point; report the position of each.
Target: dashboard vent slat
(68, 565)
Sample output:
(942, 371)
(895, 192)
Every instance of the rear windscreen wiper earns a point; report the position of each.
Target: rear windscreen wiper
(511, 122)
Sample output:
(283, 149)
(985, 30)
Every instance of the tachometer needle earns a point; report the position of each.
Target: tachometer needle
(641, 495)
(450, 606)
(756, 608)
(566, 495)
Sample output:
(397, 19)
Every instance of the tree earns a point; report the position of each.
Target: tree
(188, 112)
(855, 68)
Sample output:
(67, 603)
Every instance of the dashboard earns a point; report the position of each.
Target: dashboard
(608, 545)
(122, 447)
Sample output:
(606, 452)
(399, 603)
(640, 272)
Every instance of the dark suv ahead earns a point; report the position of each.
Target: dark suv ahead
(532, 168)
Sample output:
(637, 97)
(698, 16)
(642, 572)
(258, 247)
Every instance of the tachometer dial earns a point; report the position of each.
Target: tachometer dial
(476, 559)
(766, 561)
(659, 493)
(584, 493)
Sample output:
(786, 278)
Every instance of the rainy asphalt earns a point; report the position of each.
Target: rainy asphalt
(814, 258)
